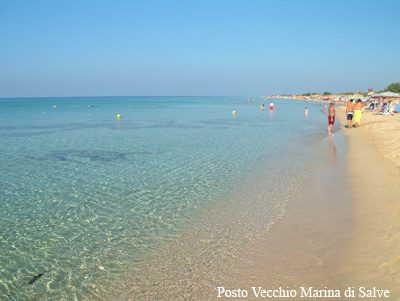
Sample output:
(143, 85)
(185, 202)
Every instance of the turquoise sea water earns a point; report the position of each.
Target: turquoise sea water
(85, 196)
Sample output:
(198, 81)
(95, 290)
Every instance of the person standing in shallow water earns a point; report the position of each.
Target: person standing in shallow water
(331, 117)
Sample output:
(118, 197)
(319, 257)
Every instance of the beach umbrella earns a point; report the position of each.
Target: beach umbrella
(387, 94)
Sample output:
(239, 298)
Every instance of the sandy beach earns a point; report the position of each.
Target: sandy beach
(372, 256)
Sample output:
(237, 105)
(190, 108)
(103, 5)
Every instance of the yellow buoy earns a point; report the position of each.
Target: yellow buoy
(234, 112)
(118, 116)
(54, 107)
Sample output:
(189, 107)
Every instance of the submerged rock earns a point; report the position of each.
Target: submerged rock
(35, 278)
(94, 155)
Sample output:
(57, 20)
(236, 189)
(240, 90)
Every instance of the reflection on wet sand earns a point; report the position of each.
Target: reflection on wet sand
(333, 151)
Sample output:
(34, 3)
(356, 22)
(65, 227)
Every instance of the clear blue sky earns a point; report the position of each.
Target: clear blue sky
(239, 48)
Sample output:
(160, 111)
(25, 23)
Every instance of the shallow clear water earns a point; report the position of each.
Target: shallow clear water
(85, 196)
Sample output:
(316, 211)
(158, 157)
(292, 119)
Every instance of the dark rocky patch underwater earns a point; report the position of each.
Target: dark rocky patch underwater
(94, 155)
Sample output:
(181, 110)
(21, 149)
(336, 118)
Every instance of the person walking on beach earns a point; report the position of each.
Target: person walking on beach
(358, 113)
(350, 113)
(331, 117)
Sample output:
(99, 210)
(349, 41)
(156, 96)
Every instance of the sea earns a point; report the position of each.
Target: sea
(104, 196)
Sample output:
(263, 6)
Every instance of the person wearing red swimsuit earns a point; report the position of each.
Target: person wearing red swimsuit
(331, 117)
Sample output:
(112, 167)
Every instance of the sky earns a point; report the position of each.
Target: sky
(197, 48)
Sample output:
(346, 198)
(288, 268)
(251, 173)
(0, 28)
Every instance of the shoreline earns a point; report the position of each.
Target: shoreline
(303, 239)
(305, 247)
(225, 247)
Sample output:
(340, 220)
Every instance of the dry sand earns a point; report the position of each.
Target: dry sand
(372, 257)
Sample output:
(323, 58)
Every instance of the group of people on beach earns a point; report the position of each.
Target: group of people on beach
(353, 113)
